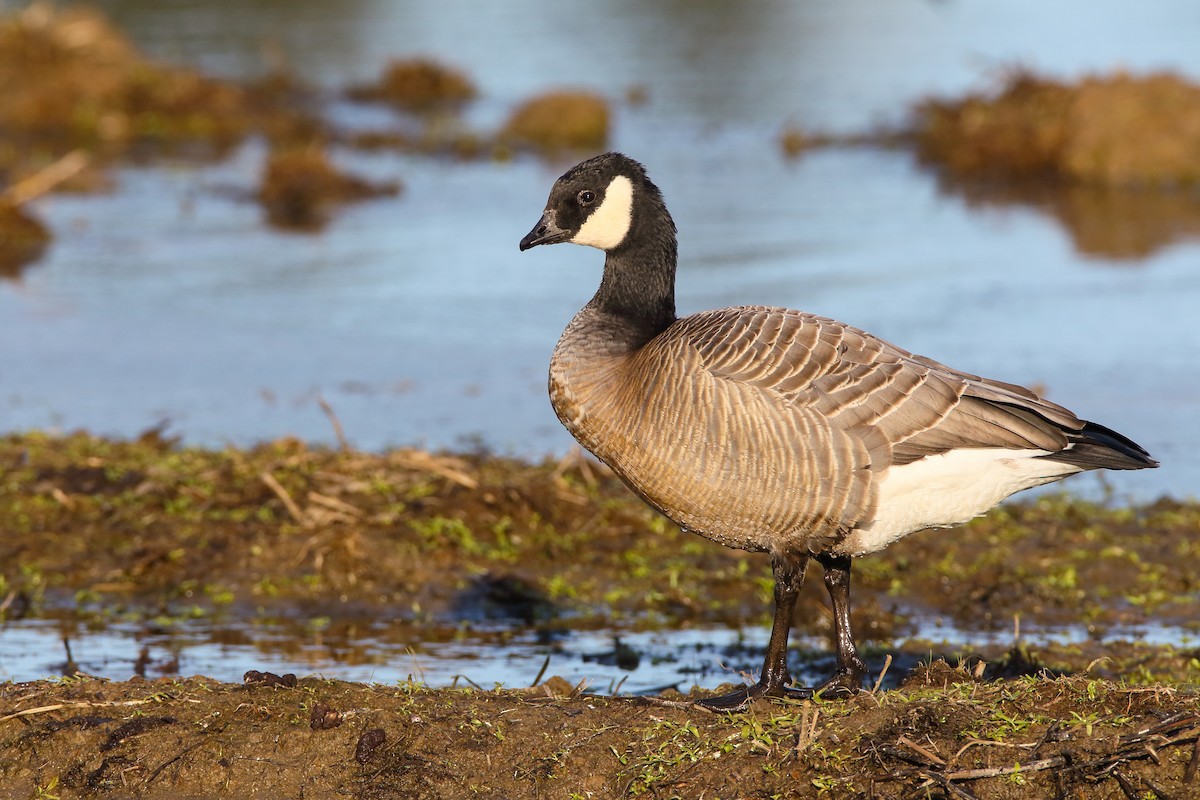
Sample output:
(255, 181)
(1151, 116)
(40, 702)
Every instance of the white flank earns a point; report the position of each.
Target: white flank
(608, 224)
(949, 489)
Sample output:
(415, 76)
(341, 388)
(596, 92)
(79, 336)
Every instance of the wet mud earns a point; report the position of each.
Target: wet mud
(941, 734)
(104, 530)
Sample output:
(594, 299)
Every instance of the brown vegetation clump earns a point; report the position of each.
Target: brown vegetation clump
(1118, 130)
(284, 110)
(433, 94)
(559, 120)
(22, 238)
(794, 141)
(72, 80)
(300, 186)
(1136, 131)
(419, 85)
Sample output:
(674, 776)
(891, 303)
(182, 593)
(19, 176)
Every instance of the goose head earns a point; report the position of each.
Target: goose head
(592, 204)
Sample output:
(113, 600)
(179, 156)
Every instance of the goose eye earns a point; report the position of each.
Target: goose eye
(587, 197)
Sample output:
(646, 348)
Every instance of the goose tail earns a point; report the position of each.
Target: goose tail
(1097, 447)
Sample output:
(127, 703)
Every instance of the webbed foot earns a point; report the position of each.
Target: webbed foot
(841, 686)
(742, 698)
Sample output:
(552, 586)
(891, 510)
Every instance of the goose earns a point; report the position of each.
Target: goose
(778, 431)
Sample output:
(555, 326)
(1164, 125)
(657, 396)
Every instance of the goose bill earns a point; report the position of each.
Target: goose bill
(544, 232)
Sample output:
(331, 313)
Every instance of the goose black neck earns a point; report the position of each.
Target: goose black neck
(637, 291)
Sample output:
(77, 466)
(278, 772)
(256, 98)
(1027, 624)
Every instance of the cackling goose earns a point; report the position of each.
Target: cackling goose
(772, 430)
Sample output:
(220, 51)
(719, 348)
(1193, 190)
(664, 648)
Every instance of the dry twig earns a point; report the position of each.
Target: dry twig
(1171, 731)
(335, 422)
(282, 493)
(887, 662)
(448, 468)
(96, 704)
(808, 730)
(933, 758)
(45, 179)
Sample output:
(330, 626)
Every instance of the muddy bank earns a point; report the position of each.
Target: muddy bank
(942, 734)
(95, 524)
(104, 530)
(151, 534)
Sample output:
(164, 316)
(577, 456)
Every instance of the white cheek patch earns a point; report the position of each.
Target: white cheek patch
(608, 224)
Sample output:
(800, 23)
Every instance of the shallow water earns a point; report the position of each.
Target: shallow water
(168, 300)
(375, 651)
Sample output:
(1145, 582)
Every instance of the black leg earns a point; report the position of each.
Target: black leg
(847, 678)
(789, 577)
